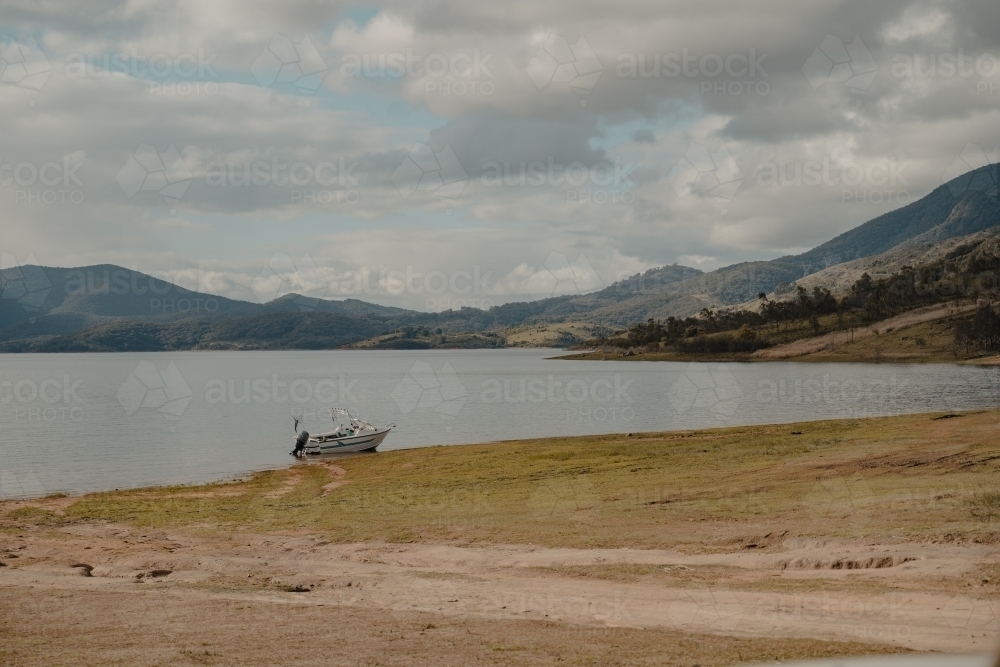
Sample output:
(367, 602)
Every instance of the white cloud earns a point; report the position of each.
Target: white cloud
(507, 230)
(916, 22)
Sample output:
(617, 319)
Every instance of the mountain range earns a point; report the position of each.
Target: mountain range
(110, 308)
(963, 206)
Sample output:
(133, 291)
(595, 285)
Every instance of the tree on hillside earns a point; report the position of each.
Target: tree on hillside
(986, 327)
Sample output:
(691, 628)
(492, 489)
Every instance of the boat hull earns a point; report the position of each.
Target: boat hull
(325, 443)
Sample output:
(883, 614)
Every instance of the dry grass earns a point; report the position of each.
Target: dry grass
(721, 490)
(923, 335)
(902, 340)
(550, 335)
(986, 505)
(912, 476)
(866, 339)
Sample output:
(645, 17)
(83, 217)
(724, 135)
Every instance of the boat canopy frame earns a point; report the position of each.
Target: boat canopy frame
(354, 420)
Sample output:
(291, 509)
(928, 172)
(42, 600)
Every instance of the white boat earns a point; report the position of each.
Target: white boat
(351, 435)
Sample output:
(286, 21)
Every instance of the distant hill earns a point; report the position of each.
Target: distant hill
(962, 206)
(618, 298)
(43, 302)
(110, 308)
(281, 330)
(107, 290)
(107, 307)
(297, 303)
(104, 290)
(916, 252)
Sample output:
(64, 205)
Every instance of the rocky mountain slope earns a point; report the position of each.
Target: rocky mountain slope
(963, 206)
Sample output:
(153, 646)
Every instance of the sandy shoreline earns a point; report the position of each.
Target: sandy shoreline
(522, 582)
(730, 590)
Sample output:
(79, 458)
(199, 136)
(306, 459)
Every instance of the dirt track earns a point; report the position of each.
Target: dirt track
(882, 593)
(780, 543)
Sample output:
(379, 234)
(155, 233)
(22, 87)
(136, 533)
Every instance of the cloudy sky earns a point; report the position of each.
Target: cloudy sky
(447, 153)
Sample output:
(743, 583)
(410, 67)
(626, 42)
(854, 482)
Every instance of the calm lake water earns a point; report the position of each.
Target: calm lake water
(84, 422)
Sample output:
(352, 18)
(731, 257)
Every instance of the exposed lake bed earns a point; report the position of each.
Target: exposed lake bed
(719, 546)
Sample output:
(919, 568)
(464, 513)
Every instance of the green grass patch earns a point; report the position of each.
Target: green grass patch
(985, 505)
(35, 516)
(713, 489)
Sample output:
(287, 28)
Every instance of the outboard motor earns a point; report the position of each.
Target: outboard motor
(300, 444)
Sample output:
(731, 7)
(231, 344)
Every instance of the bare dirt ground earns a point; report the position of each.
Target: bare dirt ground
(897, 593)
(110, 594)
(855, 567)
